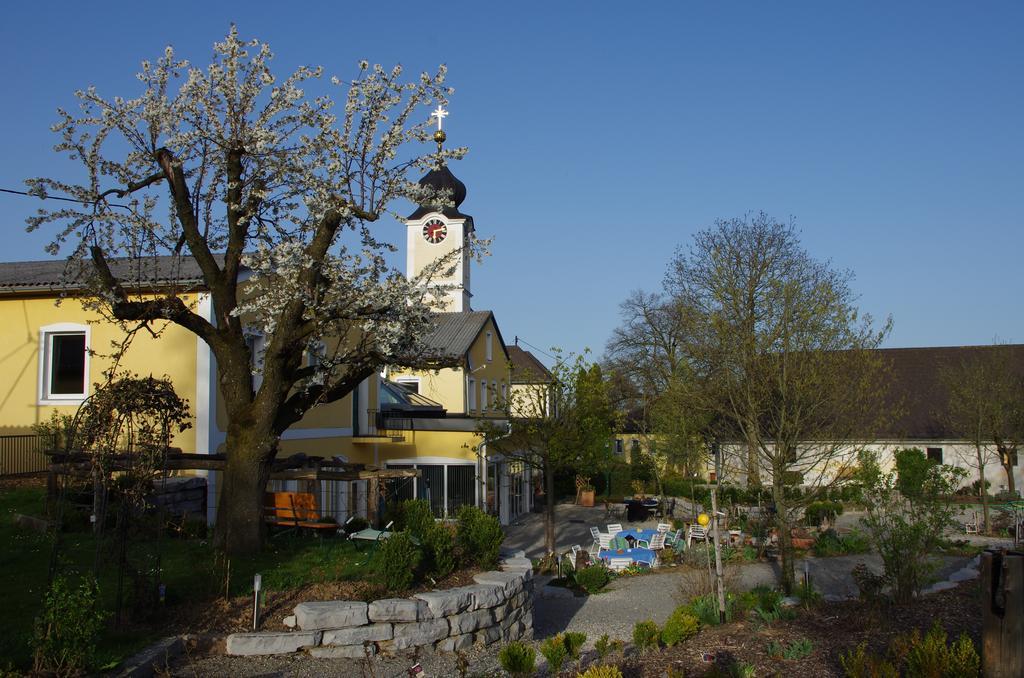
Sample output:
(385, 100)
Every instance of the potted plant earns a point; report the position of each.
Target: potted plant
(584, 491)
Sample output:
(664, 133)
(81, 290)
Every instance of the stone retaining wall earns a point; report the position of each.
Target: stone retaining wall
(497, 608)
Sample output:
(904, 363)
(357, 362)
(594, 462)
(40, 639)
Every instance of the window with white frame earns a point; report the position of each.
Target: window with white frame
(63, 362)
(490, 347)
(411, 384)
(471, 398)
(504, 394)
(483, 395)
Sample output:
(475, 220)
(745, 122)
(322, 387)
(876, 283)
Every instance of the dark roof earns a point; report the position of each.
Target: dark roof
(442, 179)
(526, 369)
(395, 397)
(58, 274)
(917, 388)
(454, 332)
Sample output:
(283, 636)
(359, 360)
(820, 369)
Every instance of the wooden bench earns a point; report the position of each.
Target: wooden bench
(295, 510)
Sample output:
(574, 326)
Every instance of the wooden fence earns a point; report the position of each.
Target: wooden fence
(22, 455)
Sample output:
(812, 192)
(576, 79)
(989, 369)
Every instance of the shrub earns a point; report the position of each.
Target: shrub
(602, 672)
(645, 635)
(396, 561)
(818, 512)
(67, 631)
(555, 652)
(912, 468)
(860, 664)
(439, 544)
(415, 516)
(681, 625)
(574, 642)
(592, 578)
(517, 658)
(478, 537)
(869, 584)
(602, 646)
(931, 656)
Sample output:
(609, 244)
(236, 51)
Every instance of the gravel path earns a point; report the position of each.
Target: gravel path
(631, 599)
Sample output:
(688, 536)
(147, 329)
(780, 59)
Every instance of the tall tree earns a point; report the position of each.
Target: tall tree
(780, 359)
(986, 407)
(564, 426)
(272, 192)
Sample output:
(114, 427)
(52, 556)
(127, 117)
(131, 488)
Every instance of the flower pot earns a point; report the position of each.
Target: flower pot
(586, 497)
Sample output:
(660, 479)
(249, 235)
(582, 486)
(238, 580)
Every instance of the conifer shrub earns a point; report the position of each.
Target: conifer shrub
(396, 561)
(478, 537)
(607, 671)
(555, 652)
(645, 635)
(592, 578)
(681, 625)
(518, 659)
(574, 643)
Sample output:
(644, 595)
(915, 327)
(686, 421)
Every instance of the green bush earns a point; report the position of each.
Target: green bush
(829, 543)
(415, 516)
(439, 544)
(396, 561)
(478, 537)
(681, 625)
(574, 642)
(67, 631)
(602, 646)
(818, 512)
(602, 672)
(592, 578)
(912, 469)
(555, 652)
(517, 658)
(859, 663)
(645, 635)
(931, 656)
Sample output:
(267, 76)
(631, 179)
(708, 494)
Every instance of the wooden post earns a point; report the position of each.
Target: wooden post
(719, 574)
(1002, 592)
(372, 491)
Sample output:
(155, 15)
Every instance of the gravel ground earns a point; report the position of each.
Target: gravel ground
(613, 612)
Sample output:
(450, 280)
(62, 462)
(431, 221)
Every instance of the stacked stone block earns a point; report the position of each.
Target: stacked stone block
(497, 608)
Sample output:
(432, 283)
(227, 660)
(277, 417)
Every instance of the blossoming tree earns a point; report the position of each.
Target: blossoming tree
(271, 192)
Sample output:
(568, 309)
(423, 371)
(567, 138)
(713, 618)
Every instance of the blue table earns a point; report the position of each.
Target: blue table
(645, 535)
(637, 555)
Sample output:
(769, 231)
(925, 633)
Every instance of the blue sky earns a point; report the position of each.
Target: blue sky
(603, 135)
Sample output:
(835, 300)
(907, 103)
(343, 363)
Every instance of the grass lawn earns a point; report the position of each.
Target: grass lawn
(190, 570)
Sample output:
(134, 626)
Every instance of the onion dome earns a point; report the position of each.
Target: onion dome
(441, 179)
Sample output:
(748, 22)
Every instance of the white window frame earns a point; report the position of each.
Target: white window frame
(46, 333)
(490, 347)
(504, 394)
(483, 395)
(471, 397)
(409, 380)
(257, 343)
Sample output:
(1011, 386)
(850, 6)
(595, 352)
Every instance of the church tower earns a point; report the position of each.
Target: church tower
(436, 231)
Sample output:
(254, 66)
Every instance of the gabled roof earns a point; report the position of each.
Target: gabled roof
(526, 369)
(916, 384)
(60, 274)
(454, 332)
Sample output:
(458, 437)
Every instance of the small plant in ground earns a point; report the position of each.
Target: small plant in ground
(396, 561)
(518, 659)
(645, 635)
(743, 670)
(798, 649)
(593, 578)
(931, 656)
(602, 646)
(681, 625)
(869, 584)
(859, 663)
(573, 643)
(608, 671)
(808, 595)
(555, 652)
(67, 630)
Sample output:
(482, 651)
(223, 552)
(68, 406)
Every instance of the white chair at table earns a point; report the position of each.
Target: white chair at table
(655, 543)
(596, 535)
(614, 528)
(664, 528)
(618, 563)
(695, 532)
(604, 542)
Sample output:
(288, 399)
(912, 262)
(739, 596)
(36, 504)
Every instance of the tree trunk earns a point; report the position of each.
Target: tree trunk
(549, 508)
(1006, 459)
(753, 465)
(240, 524)
(788, 576)
(982, 490)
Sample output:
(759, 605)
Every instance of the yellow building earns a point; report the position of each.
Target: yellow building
(398, 418)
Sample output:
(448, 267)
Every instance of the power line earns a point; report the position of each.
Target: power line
(520, 339)
(57, 197)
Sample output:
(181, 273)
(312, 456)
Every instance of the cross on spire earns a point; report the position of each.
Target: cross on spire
(440, 114)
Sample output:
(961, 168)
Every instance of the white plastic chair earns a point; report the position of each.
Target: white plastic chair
(664, 527)
(619, 564)
(655, 543)
(695, 532)
(614, 528)
(605, 541)
(596, 535)
(673, 537)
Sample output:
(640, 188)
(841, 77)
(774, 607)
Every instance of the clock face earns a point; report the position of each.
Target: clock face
(434, 231)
